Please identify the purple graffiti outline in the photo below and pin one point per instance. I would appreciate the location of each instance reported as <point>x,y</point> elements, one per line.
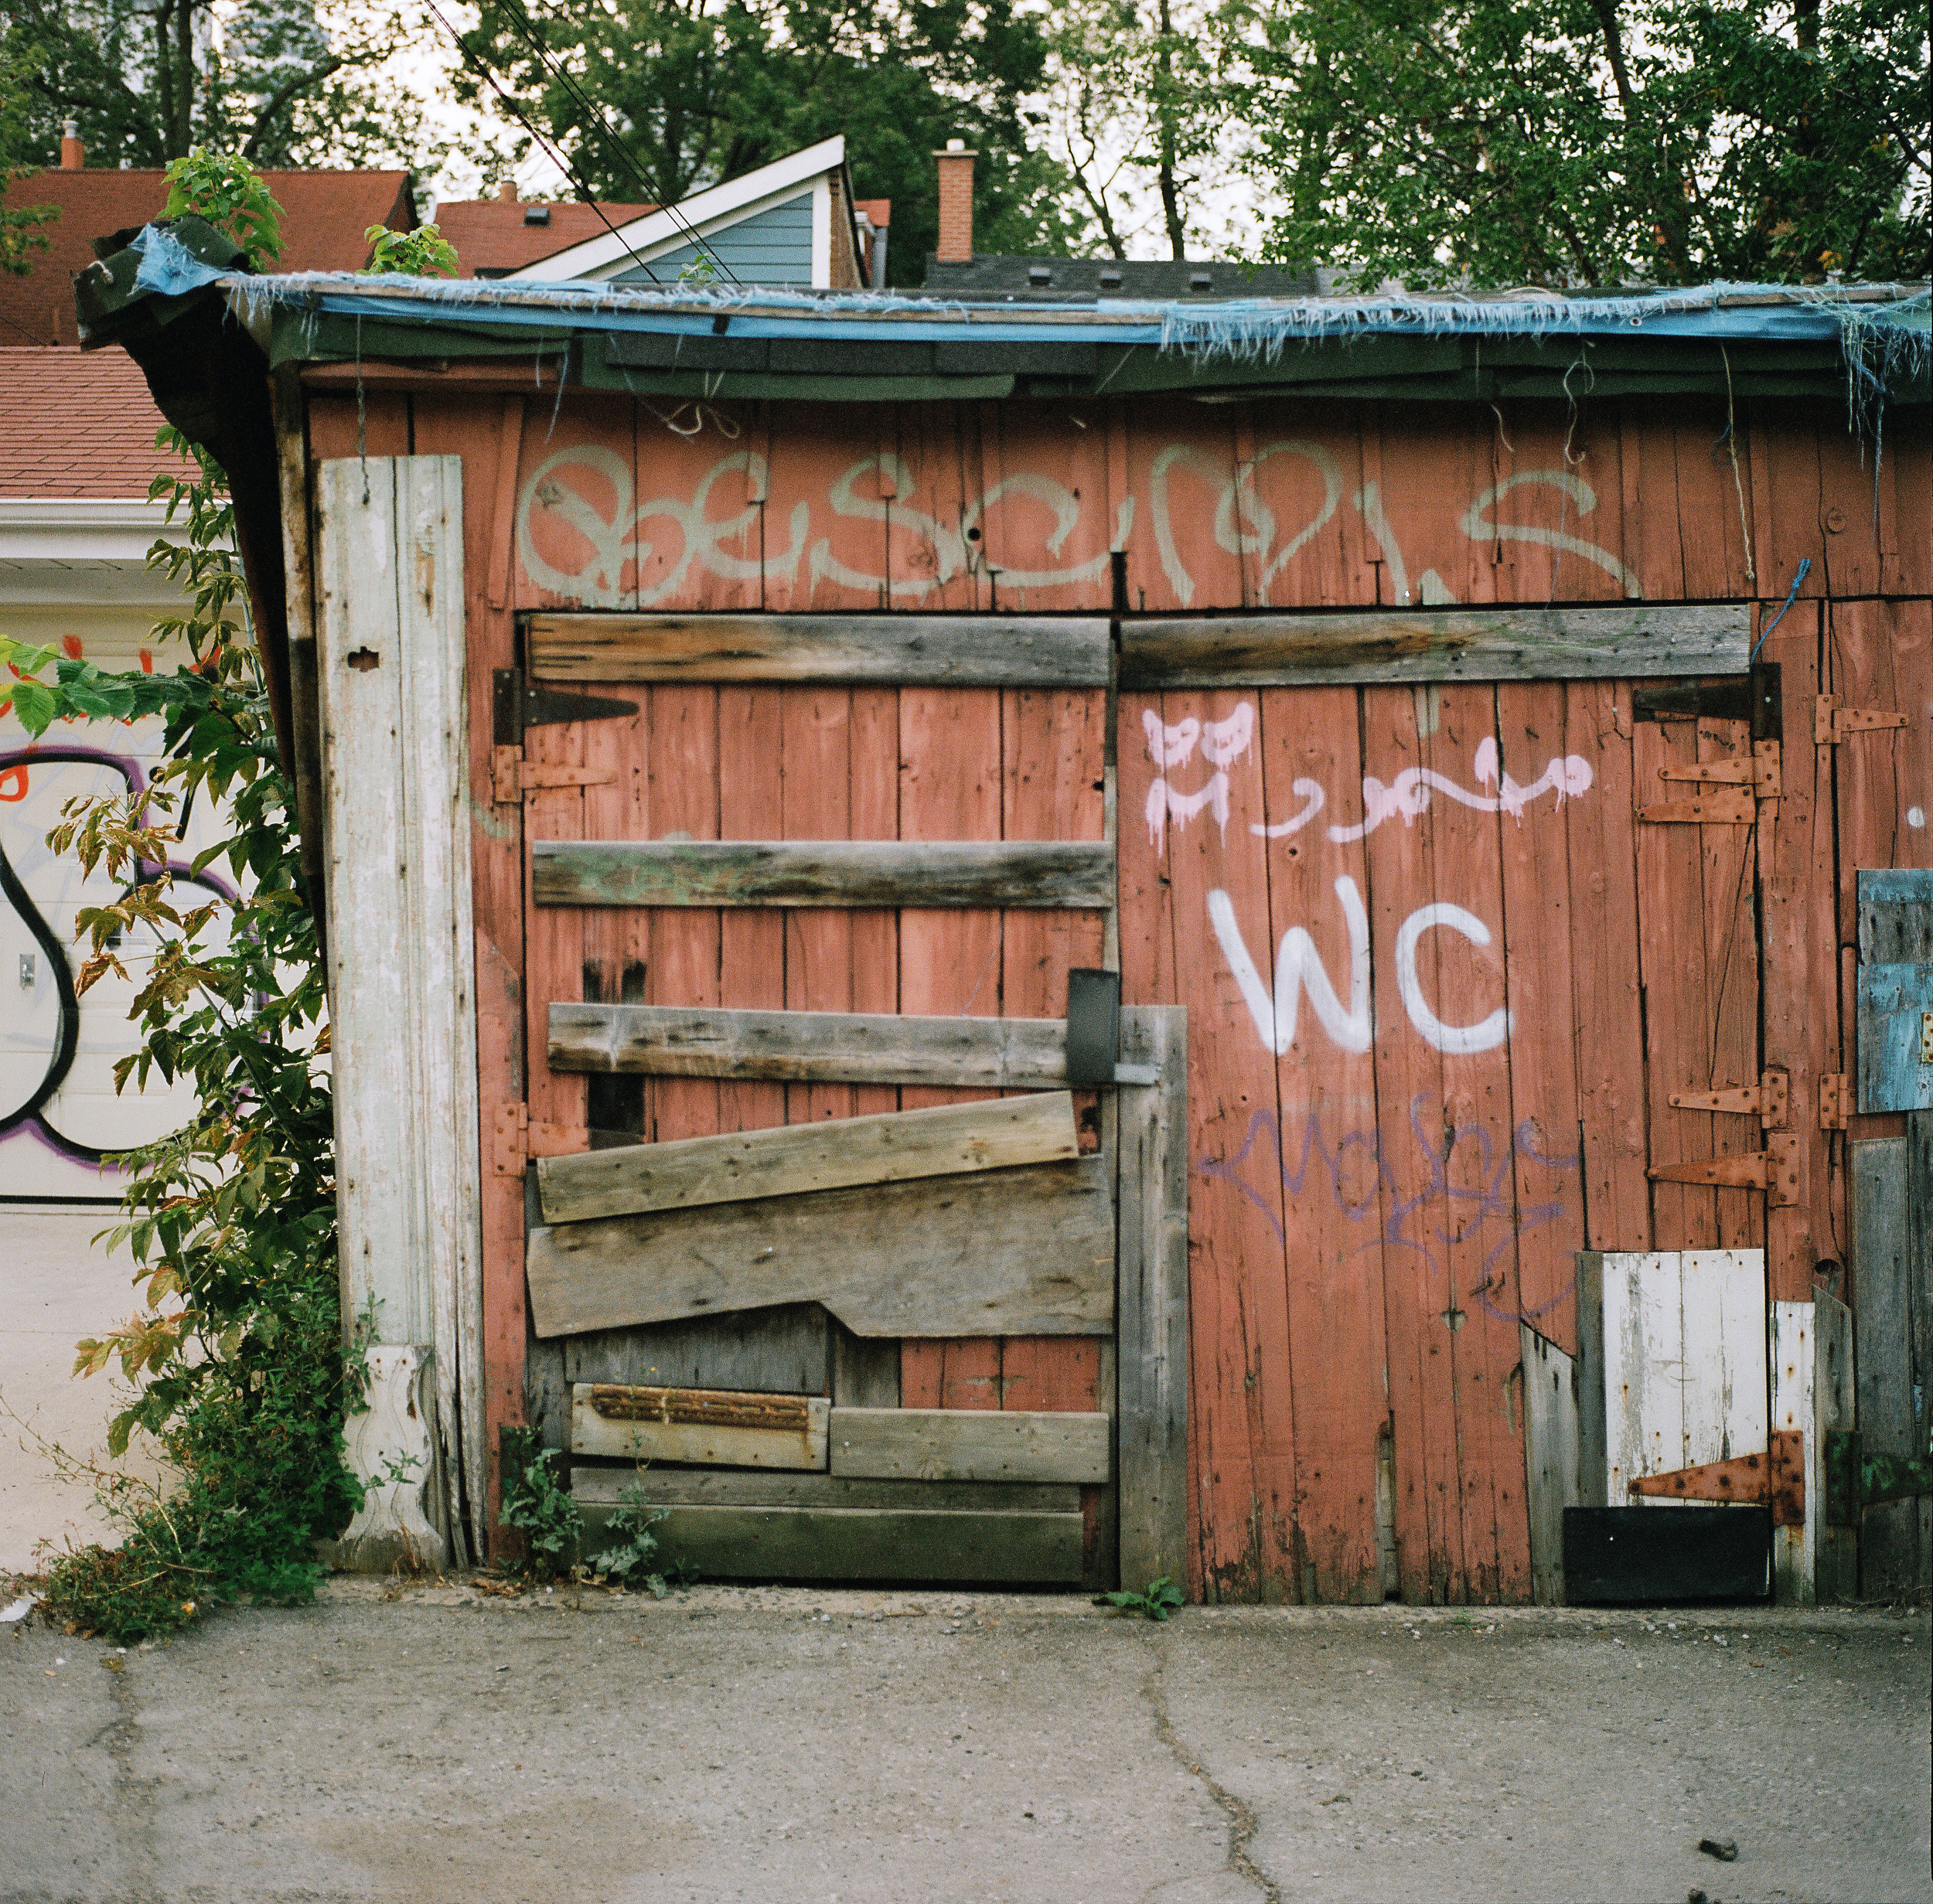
<point>1491,1198</point>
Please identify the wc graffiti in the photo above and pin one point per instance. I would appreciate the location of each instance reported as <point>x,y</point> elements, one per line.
<point>1451,1187</point>
<point>582,536</point>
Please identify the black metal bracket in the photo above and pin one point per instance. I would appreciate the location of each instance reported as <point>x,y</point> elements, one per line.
<point>1093,1026</point>
<point>1753,697</point>
<point>516,703</point>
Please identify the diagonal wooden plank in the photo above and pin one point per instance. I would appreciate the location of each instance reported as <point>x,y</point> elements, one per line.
<point>1026,1251</point>
<point>894,1146</point>
<point>848,873</point>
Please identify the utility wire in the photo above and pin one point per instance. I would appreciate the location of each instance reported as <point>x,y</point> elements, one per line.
<point>515,111</point>
<point>593,111</point>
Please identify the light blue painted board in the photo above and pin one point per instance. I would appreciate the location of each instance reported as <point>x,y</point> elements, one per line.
<point>1893,1000</point>
<point>773,247</point>
<point>1895,916</point>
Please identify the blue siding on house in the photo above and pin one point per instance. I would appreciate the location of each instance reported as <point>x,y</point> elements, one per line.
<point>773,247</point>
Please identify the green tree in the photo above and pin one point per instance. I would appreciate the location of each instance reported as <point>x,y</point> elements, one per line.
<point>1589,141</point>
<point>655,99</point>
<point>280,83</point>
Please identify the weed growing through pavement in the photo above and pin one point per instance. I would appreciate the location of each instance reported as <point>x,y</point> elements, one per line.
<point>1160,1597</point>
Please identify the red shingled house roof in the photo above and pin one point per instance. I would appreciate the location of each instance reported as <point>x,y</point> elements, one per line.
<point>324,216</point>
<point>495,237</point>
<point>77,424</point>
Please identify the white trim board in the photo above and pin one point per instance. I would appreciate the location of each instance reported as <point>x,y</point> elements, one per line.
<point>705,211</point>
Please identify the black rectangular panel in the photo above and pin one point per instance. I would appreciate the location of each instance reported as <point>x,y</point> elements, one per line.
<point>1621,1556</point>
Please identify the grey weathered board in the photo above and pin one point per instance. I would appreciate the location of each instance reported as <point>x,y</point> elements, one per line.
<point>1895,1059</point>
<point>1835,1549</point>
<point>811,1047</point>
<point>1010,1252</point>
<point>1550,1457</point>
<point>873,650</point>
<point>1633,640</point>
<point>1893,1307</point>
<point>969,1444</point>
<point>890,1147</point>
<point>865,1369</point>
<point>1151,1409</point>
<point>726,1428</point>
<point>1895,917</point>
<point>595,1483</point>
<point>1035,875</point>
<point>782,1350</point>
<point>885,1544</point>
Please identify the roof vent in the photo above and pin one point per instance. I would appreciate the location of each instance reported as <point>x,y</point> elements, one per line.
<point>1039,274</point>
<point>1110,280</point>
<point>1200,280</point>
<point>536,214</point>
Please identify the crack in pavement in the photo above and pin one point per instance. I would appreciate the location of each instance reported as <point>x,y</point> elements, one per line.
<point>135,1799</point>
<point>1242,1822</point>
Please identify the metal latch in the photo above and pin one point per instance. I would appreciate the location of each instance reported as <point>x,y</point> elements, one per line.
<point>1835,1101</point>
<point>1832,723</point>
<point>1769,1099</point>
<point>515,1139</point>
<point>1774,1170</point>
<point>1776,1479</point>
<point>1760,773</point>
<point>513,779</point>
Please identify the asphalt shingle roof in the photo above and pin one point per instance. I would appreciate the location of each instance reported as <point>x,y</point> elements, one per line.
<point>76,423</point>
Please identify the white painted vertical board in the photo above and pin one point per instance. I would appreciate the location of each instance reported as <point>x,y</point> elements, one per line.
<point>1722,1350</point>
<point>1550,1405</point>
<point>1793,1412</point>
<point>1644,1369</point>
<point>391,667</point>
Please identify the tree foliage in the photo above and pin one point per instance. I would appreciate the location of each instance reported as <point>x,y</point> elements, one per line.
<point>279,83</point>
<point>1589,142</point>
<point>655,99</point>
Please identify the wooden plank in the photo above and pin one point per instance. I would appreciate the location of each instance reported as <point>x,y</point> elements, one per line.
<point>751,945</point>
<point>1153,1360</point>
<point>877,650</point>
<point>783,1351</point>
<point>969,1445</point>
<point>1895,917</point>
<point>727,1429</point>
<point>1889,1291</point>
<point>857,872</point>
<point>895,1146</point>
<point>1634,640</point>
<point>1642,1347</point>
<point>1024,1252</point>
<point>1894,1073</point>
<point>440,427</point>
<point>885,1544</point>
<point>813,1047</point>
<point>865,1369</point>
<point>1722,1350</point>
<point>605,1484</point>
<point>1550,1397</point>
<point>1795,1409</point>
<point>1836,1549</point>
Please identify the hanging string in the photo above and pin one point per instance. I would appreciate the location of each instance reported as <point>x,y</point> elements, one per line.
<point>1791,595</point>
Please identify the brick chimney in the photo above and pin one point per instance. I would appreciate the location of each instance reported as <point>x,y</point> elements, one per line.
<point>956,245</point>
<point>73,154</point>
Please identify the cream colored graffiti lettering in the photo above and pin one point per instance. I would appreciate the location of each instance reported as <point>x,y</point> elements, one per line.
<point>1065,507</point>
<point>1331,471</point>
<point>948,546</point>
<point>1478,527</point>
<point>1409,794</point>
<point>614,541</point>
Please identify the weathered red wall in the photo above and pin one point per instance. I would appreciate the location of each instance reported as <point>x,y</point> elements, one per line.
<point>1371,1212</point>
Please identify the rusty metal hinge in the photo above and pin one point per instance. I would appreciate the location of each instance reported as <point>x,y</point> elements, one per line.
<point>513,779</point>
<point>1835,1101</point>
<point>1777,1479</point>
<point>1774,1170</point>
<point>514,1139</point>
<point>1769,1100</point>
<point>1724,806</point>
<point>1760,773</point>
<point>1832,723</point>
